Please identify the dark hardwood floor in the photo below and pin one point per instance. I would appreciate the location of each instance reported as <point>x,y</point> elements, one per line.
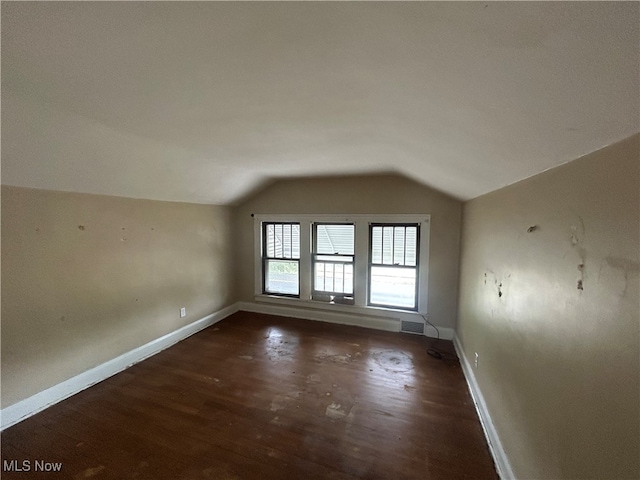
<point>265,397</point>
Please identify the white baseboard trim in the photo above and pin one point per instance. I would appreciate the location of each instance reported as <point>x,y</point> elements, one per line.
<point>30,406</point>
<point>495,445</point>
<point>377,322</point>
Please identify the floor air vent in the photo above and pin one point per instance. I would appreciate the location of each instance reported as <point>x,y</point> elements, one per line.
<point>412,327</point>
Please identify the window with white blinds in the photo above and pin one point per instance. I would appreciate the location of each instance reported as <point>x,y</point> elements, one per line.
<point>281,258</point>
<point>333,260</point>
<point>393,265</point>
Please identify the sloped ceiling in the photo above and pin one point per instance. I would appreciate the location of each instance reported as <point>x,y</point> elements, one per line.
<point>203,102</point>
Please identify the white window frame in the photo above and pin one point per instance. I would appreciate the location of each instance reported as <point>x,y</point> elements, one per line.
<point>382,264</point>
<point>315,261</point>
<point>361,266</point>
<point>266,259</point>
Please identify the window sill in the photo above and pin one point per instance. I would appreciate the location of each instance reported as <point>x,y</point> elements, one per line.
<point>339,307</point>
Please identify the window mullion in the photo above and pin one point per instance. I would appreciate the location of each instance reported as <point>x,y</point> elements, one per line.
<point>361,264</point>
<point>306,263</point>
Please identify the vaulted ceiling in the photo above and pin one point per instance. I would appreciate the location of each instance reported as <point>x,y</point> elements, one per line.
<point>204,102</point>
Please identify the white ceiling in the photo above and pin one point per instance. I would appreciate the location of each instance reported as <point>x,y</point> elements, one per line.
<point>203,102</point>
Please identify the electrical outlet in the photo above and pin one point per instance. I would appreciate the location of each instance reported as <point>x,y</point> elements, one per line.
<point>476,361</point>
<point>183,313</point>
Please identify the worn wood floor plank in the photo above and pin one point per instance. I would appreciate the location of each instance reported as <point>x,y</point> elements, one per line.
<point>262,397</point>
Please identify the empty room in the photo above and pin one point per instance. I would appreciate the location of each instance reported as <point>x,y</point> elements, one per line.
<point>320,240</point>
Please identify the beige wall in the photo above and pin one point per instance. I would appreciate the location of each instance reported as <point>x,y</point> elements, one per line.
<point>385,194</point>
<point>86,278</point>
<point>559,366</point>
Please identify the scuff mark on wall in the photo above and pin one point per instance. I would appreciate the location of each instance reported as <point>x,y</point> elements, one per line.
<point>577,237</point>
<point>498,283</point>
<point>626,267</point>
<point>581,279</point>
<point>621,263</point>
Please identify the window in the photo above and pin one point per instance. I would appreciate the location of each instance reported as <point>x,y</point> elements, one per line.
<point>281,258</point>
<point>357,263</point>
<point>333,260</point>
<point>393,265</point>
